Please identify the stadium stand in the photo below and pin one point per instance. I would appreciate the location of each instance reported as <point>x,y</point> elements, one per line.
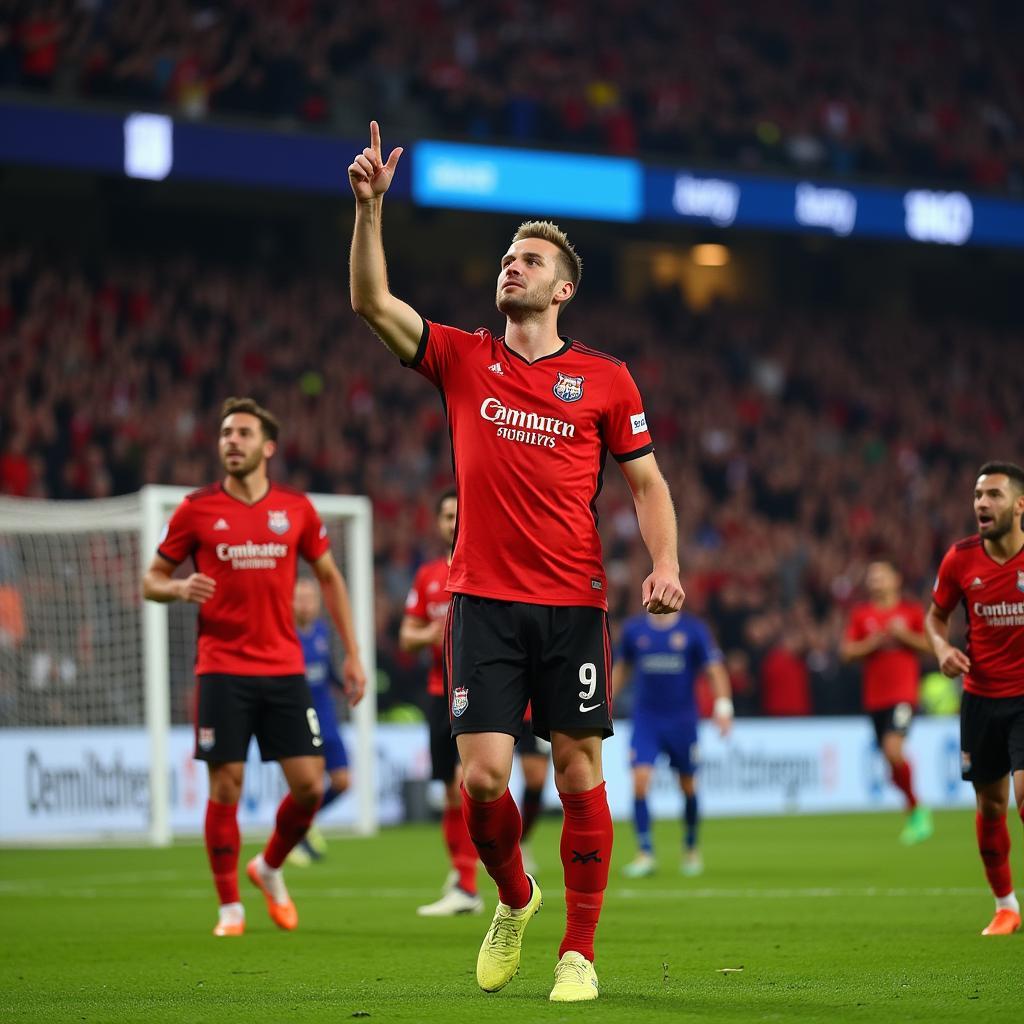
<point>931,91</point>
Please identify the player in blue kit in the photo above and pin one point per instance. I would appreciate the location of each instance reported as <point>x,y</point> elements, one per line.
<point>665,655</point>
<point>321,675</point>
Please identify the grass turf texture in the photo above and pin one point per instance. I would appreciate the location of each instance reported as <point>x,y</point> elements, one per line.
<point>829,918</point>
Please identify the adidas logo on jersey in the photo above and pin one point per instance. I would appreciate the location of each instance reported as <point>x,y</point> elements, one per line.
<point>221,524</point>
<point>976,583</point>
<point>496,368</point>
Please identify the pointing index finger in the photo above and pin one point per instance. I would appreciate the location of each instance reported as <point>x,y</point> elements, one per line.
<point>375,138</point>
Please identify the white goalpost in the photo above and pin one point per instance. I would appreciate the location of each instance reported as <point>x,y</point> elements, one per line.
<point>95,683</point>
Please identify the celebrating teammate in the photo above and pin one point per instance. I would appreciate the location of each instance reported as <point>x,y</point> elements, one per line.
<point>423,627</point>
<point>532,416</point>
<point>664,655</point>
<point>887,634</point>
<point>986,573</point>
<point>321,675</point>
<point>244,536</point>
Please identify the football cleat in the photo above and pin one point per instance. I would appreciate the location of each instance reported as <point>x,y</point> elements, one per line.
<point>643,865</point>
<point>314,843</point>
<point>299,857</point>
<point>498,960</point>
<point>918,828</point>
<point>1006,922</point>
<point>454,901</point>
<point>271,883</point>
<point>230,921</point>
<point>575,980</point>
<point>692,865</point>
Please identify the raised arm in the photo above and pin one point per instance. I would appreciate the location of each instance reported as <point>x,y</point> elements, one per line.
<point>952,661</point>
<point>662,592</point>
<point>395,322</point>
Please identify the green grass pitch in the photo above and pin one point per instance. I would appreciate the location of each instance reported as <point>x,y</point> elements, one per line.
<point>829,918</point>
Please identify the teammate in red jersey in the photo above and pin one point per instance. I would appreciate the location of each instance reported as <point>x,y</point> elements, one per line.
<point>532,417</point>
<point>887,633</point>
<point>986,574</point>
<point>426,609</point>
<point>244,536</point>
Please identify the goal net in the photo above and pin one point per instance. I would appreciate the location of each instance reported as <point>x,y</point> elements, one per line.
<point>96,684</point>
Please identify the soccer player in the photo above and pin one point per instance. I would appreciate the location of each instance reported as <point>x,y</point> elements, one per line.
<point>426,609</point>
<point>887,634</point>
<point>321,675</point>
<point>532,416</point>
<point>986,573</point>
<point>244,536</point>
<point>664,655</point>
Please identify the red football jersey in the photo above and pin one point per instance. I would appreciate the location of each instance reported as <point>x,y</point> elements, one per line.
<point>248,627</point>
<point>529,442</point>
<point>891,671</point>
<point>993,596</point>
<point>429,599</point>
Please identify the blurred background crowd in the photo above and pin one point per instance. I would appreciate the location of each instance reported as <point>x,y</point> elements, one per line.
<point>928,90</point>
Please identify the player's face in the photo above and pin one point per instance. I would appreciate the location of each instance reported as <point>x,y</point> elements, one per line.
<point>881,580</point>
<point>529,279</point>
<point>242,446</point>
<point>306,602</point>
<point>997,505</point>
<point>446,520</point>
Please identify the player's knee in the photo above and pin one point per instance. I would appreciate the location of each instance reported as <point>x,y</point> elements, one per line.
<point>340,781</point>
<point>308,792</point>
<point>484,781</point>
<point>578,776</point>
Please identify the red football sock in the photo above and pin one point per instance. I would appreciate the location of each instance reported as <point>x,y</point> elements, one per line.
<point>586,858</point>
<point>461,850</point>
<point>495,828</point>
<point>293,821</point>
<point>902,780</point>
<point>223,842</point>
<point>994,846</point>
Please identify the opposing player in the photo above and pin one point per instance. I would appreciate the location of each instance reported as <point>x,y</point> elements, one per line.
<point>426,609</point>
<point>986,573</point>
<point>663,656</point>
<point>244,536</point>
<point>321,676</point>
<point>532,416</point>
<point>887,634</point>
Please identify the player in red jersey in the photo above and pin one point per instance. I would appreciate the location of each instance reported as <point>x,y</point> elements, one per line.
<point>532,416</point>
<point>244,536</point>
<point>986,574</point>
<point>887,633</point>
<point>426,609</point>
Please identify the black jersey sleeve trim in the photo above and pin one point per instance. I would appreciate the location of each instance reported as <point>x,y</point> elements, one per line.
<point>635,454</point>
<point>421,349</point>
<point>167,558</point>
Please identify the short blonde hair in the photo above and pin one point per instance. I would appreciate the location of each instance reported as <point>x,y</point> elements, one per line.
<point>569,258</point>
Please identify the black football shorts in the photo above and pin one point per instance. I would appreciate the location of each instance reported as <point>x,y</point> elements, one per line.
<point>991,737</point>
<point>895,719</point>
<point>444,754</point>
<point>277,710</point>
<point>500,655</point>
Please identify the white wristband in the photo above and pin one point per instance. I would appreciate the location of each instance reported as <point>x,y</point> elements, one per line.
<point>722,708</point>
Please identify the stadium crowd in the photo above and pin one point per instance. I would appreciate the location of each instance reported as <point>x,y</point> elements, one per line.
<point>932,91</point>
<point>798,446</point>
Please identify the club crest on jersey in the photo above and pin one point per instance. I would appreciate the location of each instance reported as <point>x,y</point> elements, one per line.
<point>568,389</point>
<point>460,700</point>
<point>1020,580</point>
<point>277,522</point>
<point>677,641</point>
